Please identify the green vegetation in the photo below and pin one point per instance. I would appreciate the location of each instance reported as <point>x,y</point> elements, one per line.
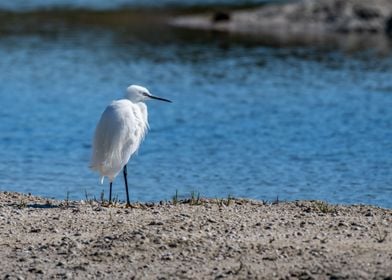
<point>323,207</point>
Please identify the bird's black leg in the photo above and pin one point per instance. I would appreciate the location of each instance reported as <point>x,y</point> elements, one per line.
<point>126,184</point>
<point>110,193</point>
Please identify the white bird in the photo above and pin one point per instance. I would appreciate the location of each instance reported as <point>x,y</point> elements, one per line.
<point>118,135</point>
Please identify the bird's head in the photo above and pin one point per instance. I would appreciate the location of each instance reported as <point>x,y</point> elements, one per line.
<point>137,93</point>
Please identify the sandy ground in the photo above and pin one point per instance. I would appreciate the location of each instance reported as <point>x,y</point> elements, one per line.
<point>207,239</point>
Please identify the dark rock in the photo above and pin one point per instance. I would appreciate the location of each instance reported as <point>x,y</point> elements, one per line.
<point>365,13</point>
<point>220,16</point>
<point>388,26</point>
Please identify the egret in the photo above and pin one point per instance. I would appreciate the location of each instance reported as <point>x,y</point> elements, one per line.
<point>119,133</point>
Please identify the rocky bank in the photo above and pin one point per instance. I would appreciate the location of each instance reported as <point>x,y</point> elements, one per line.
<point>301,21</point>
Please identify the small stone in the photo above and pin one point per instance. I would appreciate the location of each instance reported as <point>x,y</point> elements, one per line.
<point>270,258</point>
<point>154,223</point>
<point>342,224</point>
<point>167,257</point>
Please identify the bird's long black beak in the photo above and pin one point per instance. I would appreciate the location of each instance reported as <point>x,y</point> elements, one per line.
<point>159,98</point>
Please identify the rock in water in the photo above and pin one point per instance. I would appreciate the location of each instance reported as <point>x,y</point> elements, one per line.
<point>388,26</point>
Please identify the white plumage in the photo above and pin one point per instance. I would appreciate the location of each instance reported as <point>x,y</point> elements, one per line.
<point>119,133</point>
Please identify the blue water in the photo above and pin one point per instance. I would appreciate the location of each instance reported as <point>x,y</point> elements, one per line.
<point>247,120</point>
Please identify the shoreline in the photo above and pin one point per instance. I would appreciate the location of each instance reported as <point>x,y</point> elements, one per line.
<point>237,238</point>
<point>341,23</point>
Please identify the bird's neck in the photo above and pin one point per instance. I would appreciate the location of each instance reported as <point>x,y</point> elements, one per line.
<point>143,109</point>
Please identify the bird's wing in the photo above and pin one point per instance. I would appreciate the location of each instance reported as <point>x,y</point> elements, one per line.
<point>116,137</point>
